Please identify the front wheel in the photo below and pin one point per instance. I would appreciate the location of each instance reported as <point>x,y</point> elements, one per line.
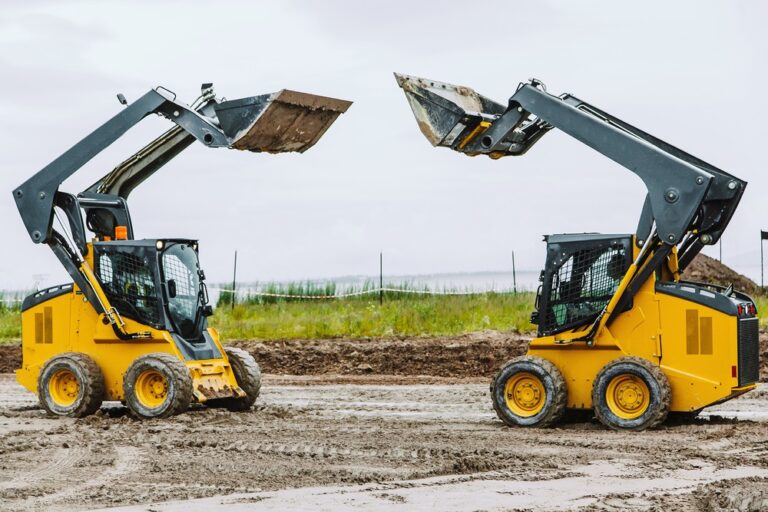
<point>631,393</point>
<point>529,391</point>
<point>157,386</point>
<point>248,376</point>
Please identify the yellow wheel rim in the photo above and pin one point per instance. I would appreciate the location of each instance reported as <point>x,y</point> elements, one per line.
<point>63,387</point>
<point>524,394</point>
<point>151,388</point>
<point>628,396</point>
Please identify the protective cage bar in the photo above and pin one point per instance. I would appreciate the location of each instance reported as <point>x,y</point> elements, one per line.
<point>581,275</point>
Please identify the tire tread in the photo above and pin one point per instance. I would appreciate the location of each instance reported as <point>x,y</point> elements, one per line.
<point>93,385</point>
<point>557,410</point>
<point>659,415</point>
<point>183,380</point>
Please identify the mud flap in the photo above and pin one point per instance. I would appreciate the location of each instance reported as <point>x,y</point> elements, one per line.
<point>285,121</point>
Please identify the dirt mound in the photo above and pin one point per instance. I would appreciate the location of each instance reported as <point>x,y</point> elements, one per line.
<point>10,358</point>
<point>469,355</point>
<point>708,270</point>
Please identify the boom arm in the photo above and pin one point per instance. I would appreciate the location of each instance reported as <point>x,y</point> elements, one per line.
<point>689,200</point>
<point>285,121</point>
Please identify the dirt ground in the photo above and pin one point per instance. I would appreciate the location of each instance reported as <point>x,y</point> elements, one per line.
<point>377,444</point>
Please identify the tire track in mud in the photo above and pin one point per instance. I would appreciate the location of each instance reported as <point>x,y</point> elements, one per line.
<point>600,485</point>
<point>297,437</point>
<point>127,461</point>
<point>63,459</point>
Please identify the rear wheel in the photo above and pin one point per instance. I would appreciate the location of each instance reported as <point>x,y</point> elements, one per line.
<point>157,386</point>
<point>530,392</point>
<point>631,393</point>
<point>71,384</point>
<point>248,376</point>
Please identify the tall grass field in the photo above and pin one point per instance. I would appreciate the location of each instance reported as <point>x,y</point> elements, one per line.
<point>406,311</point>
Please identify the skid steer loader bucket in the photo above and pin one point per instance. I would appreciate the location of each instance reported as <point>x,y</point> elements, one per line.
<point>448,115</point>
<point>281,122</point>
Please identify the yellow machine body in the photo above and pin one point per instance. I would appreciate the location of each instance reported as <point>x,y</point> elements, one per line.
<point>694,345</point>
<point>68,323</point>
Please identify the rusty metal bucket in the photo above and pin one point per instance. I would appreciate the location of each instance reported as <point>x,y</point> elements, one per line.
<point>281,122</point>
<point>447,114</point>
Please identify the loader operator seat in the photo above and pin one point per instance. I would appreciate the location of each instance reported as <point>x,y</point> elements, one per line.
<point>616,267</point>
<point>101,222</point>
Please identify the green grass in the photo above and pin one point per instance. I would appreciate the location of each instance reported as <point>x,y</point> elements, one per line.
<point>10,321</point>
<point>762,310</point>
<point>10,326</point>
<point>399,315</point>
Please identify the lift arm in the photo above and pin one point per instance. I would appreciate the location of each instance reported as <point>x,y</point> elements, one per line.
<point>689,201</point>
<point>286,121</point>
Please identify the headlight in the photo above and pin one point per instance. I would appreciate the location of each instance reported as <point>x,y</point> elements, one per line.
<point>159,244</point>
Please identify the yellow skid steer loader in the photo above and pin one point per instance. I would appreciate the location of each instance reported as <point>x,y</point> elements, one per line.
<point>619,332</point>
<point>132,326</point>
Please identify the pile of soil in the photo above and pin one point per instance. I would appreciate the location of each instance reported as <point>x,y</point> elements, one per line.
<point>704,269</point>
<point>469,355</point>
<point>476,354</point>
<point>10,358</point>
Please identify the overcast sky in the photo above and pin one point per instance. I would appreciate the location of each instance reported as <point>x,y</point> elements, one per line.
<point>692,73</point>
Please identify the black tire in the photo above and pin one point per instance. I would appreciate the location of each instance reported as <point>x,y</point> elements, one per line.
<point>552,382</point>
<point>85,384</point>
<point>248,376</point>
<point>173,376</point>
<point>658,388</point>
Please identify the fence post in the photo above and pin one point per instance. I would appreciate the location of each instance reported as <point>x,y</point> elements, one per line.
<point>234,281</point>
<point>514,275</point>
<point>381,278</point>
<point>763,237</point>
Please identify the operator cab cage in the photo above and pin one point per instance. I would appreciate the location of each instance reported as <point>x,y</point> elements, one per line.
<point>581,274</point>
<point>285,121</point>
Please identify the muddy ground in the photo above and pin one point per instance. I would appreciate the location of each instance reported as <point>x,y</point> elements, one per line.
<point>377,444</point>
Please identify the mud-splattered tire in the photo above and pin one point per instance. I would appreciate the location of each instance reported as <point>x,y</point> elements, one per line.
<point>70,384</point>
<point>631,393</point>
<point>157,386</point>
<point>248,376</point>
<point>529,391</point>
